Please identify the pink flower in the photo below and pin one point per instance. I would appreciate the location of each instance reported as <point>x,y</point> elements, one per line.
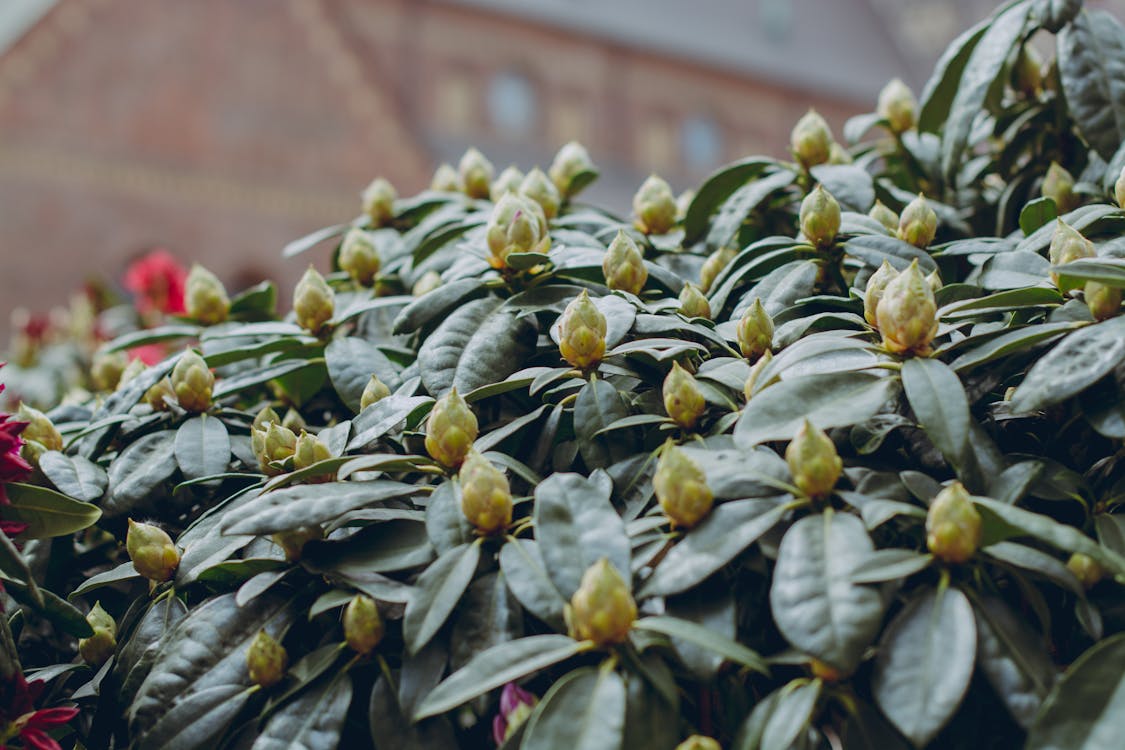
<point>19,718</point>
<point>157,280</point>
<point>515,706</point>
<point>13,467</point>
<point>150,354</point>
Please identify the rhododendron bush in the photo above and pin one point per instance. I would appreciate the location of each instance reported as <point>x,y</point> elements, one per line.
<point>826,454</point>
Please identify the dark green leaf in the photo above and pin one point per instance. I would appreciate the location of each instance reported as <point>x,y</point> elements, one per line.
<point>308,504</point>
<point>1037,213</point>
<point>1013,658</point>
<point>706,638</point>
<point>75,476</point>
<point>849,184</point>
<point>436,593</point>
<point>714,192</point>
<point>937,95</point>
<point>873,249</point>
<point>598,406</point>
<point>1080,360</point>
<point>1091,60</point>
<point>526,575</point>
<point>202,447</point>
<point>46,512</point>
<point>351,362</point>
<point>313,721</point>
<point>736,209</point>
<point>890,565</point>
<point>138,471</point>
<point>938,400</point>
<point>585,710</point>
<point>791,716</point>
<point>58,611</point>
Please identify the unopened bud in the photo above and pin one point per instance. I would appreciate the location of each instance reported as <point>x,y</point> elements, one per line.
<point>258,428</point>
<point>314,302</point>
<point>517,225</point>
<point>918,223</point>
<point>1086,569</point>
<point>486,498</point>
<point>379,201</point>
<point>537,186</point>
<point>1068,244</point>
<point>898,106</point>
<point>953,525</point>
<point>446,180</point>
<point>1104,301</point>
<point>811,140</point>
<point>266,660</point>
<point>153,554</point>
<point>885,216</point>
<point>294,421</point>
<point>1058,185</point>
<point>683,400</point>
<point>293,541</point>
<point>876,285</point>
<point>1119,189</point>
<point>820,217</point>
<point>97,649</point>
<point>1027,73</point>
<point>933,278</point>
<point>363,627</point>
<point>570,161</point>
<point>516,705</point>
<point>623,265</point>
<point>277,443</point>
<point>106,370</point>
<point>309,450</point>
<point>751,384</point>
<point>132,370</point>
<point>428,282</point>
<point>160,395</point>
<point>602,610</point>
<point>655,206</point>
<point>192,382</point>
<point>205,297</point>
<point>907,313</point>
<point>813,461</point>
<point>375,390</point>
<point>825,671</point>
<point>450,430</point>
<point>41,435</point>
<point>714,265</point>
<point>699,742</point>
<point>839,155</point>
<point>582,333</point>
<point>358,257</point>
<point>681,487</point>
<point>693,302</point>
<point>755,331</point>
<point>508,181</point>
<point>476,173</point>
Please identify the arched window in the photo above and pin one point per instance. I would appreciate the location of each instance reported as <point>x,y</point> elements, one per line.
<point>513,106</point>
<point>701,143</point>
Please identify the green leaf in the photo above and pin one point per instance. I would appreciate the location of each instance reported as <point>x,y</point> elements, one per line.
<point>487,616</point>
<point>351,362</point>
<point>1009,343</point>
<point>792,714</point>
<point>585,710</point>
<point>1108,271</point>
<point>597,407</point>
<point>202,447</point>
<point>46,512</point>
<point>308,504</point>
<point>259,301</point>
<point>1013,658</point>
<point>135,656</point>
<point>379,548</point>
<point>814,602</point>
<point>261,375</point>
<point>526,575</point>
<point>446,525</point>
<point>436,303</point>
<point>498,666</point>
<point>314,720</point>
<point>1079,361</point>
<point>436,593</point>
<point>849,184</point>
<point>138,471</point>
<point>1091,60</point>
<point>58,611</point>
<point>873,249</point>
<point>890,565</point>
<point>1084,710</point>
<point>736,209</point>
<point>392,730</point>
<point>938,400</point>
<point>674,627</point>
<point>1081,219</point>
<point>145,336</point>
<point>714,192</point>
<point>75,476</point>
<point>13,566</point>
<point>937,95</point>
<point>296,247</point>
<point>1037,213</point>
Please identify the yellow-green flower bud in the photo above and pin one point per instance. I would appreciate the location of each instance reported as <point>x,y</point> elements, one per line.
<point>97,649</point>
<point>839,155</point>
<point>517,225</point>
<point>876,285</point>
<point>428,282</point>
<point>693,302</point>
<point>811,140</point>
<point>40,429</point>
<point>582,333</point>
<point>1104,301</point>
<point>1068,244</point>
<point>508,181</point>
<point>1027,75</point>
<point>918,223</point>
<point>106,370</point>
<point>755,331</point>
<point>570,161</point>
<point>953,525</point>
<point>476,174</point>
<point>683,400</point>
<point>714,265</point>
<point>907,313</point>
<point>363,627</point>
<point>314,302</point>
<point>1058,185</point>
<point>1086,569</point>
<point>813,461</point>
<point>820,217</point>
<point>885,216</point>
<point>623,265</point>
<point>308,451</point>
<point>602,610</point>
<point>379,201</point>
<point>486,497</point>
<point>192,382</point>
<point>205,296</point>
<point>358,257</point>
<point>655,206</point>
<point>266,660</point>
<point>1119,189</point>
<point>160,395</point>
<point>132,370</point>
<point>755,373</point>
<point>683,203</point>
<point>681,487</point>
<point>898,106</point>
<point>537,186</point>
<point>277,443</point>
<point>151,549</point>
<point>699,742</point>
<point>375,390</point>
<point>258,428</point>
<point>934,280</point>
<point>451,430</point>
<point>446,180</point>
<point>293,541</point>
<point>294,421</point>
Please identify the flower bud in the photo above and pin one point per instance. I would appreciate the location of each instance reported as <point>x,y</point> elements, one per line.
<point>375,390</point>
<point>97,649</point>
<point>266,660</point>
<point>276,443</point>
<point>132,370</point>
<point>358,257</point>
<point>582,333</point>
<point>1119,189</point>
<point>918,223</point>
<point>623,265</point>
<point>1058,185</point>
<point>476,174</point>
<point>825,671</point>
<point>714,265</point>
<point>897,106</point>
<point>907,313</point>
<point>205,297</point>
<point>507,181</point>
<point>885,216</point>
<point>258,428</point>
<point>428,282</point>
<point>655,206</point>
<point>486,498</point>
<point>1068,244</point>
<point>876,285</point>
<point>516,705</point>
<point>813,461</point>
<point>314,302</point>
<point>309,450</point>
<point>1086,569</point>
<point>1104,301</point>
<point>192,382</point>
<point>820,217</point>
<point>151,549</point>
<point>933,278</point>
<point>40,430</point>
<point>699,742</point>
<point>1027,73</point>
<point>450,430</point>
<point>537,186</point>
<point>602,610</point>
<point>570,161</point>
<point>363,627</point>
<point>517,225</point>
<point>683,400</point>
<point>446,180</point>
<point>294,421</point>
<point>756,372</point>
<point>953,525</point>
<point>681,487</point>
<point>293,541</point>
<point>693,302</point>
<point>379,201</point>
<point>755,331</point>
<point>811,140</point>
<point>160,394</point>
<point>106,370</point>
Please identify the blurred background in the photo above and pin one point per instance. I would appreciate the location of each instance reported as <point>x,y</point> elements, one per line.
<point>222,129</point>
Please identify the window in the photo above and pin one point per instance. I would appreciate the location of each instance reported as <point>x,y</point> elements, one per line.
<point>701,143</point>
<point>512,103</point>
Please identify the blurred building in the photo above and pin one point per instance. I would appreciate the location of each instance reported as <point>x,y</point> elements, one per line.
<point>221,129</point>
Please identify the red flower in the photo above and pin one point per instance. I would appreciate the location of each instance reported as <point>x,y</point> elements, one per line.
<point>158,282</point>
<point>20,720</point>
<point>515,706</point>
<point>13,467</point>
<point>150,354</point>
